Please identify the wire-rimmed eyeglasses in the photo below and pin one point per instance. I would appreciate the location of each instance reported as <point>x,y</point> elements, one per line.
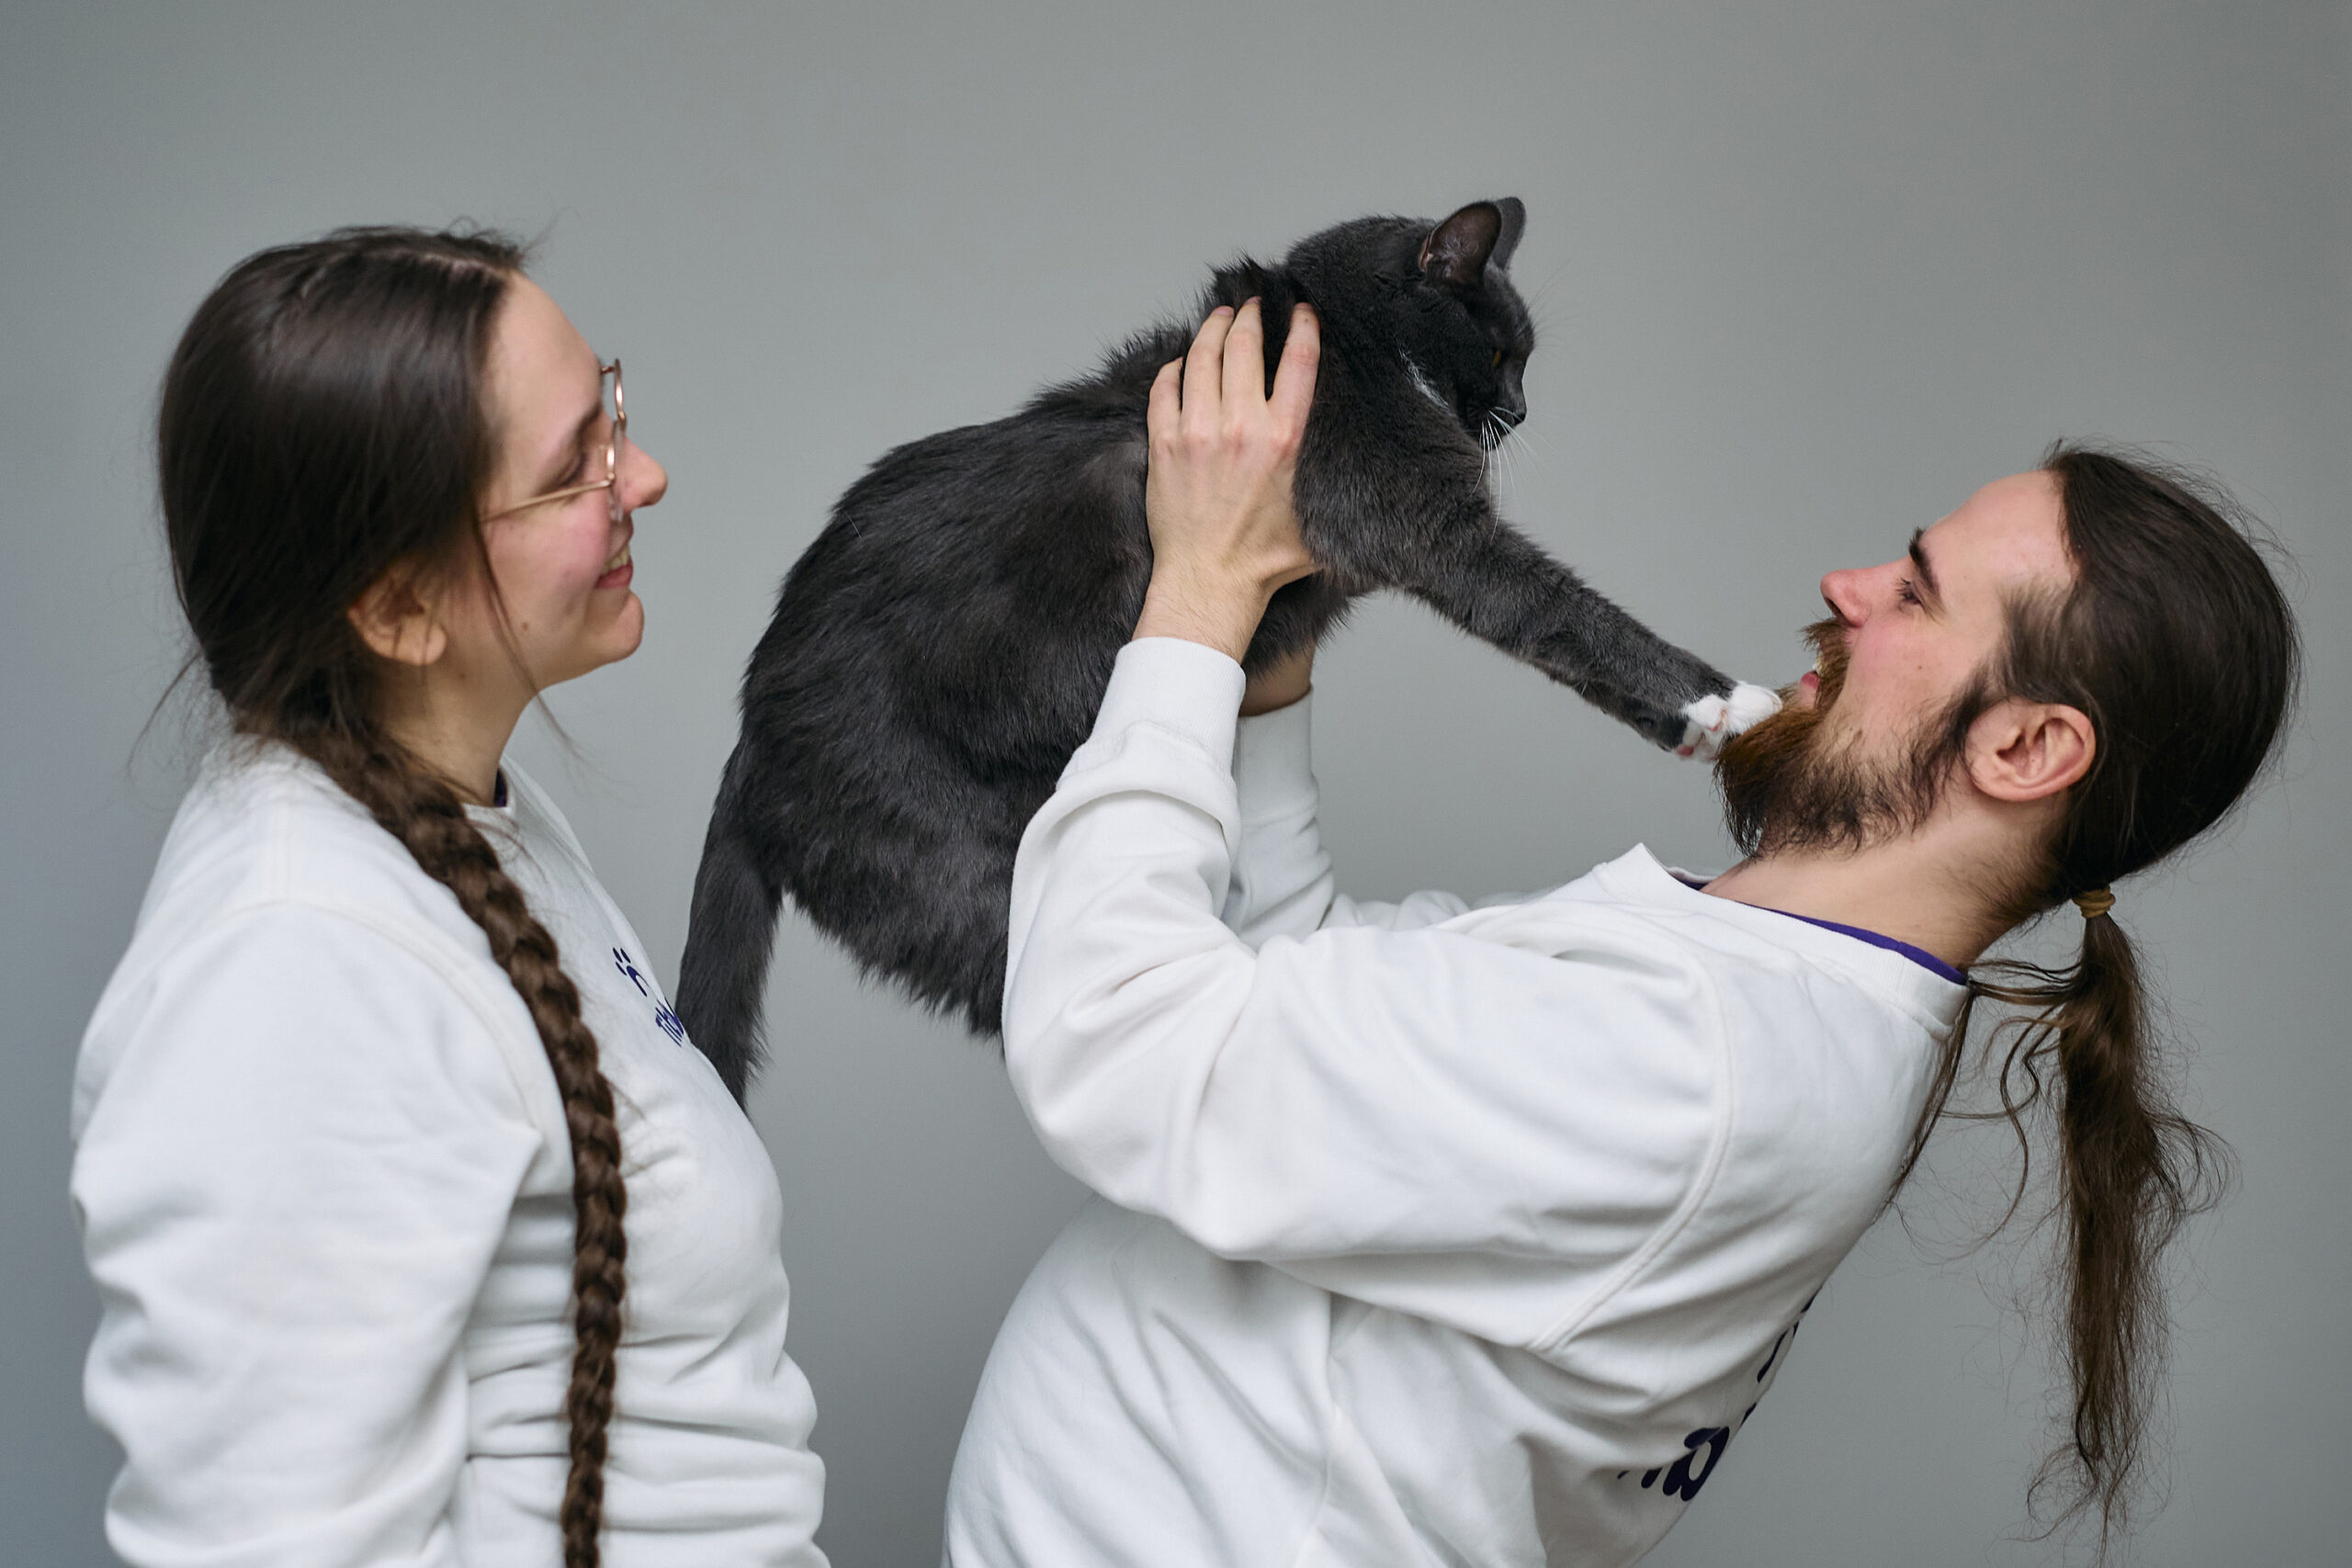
<point>616,438</point>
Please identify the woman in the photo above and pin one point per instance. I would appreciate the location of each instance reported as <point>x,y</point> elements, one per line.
<point>360,1117</point>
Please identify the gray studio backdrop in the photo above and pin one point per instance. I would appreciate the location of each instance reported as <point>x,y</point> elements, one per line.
<point>1807,272</point>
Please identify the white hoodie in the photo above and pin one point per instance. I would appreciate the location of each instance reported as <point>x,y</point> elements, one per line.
<point>1434,1235</point>
<point>325,1189</point>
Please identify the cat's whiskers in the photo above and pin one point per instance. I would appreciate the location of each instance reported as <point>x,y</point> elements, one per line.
<point>1529,446</point>
<point>1496,456</point>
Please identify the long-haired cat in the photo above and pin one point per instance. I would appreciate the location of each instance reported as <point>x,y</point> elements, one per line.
<point>939,651</point>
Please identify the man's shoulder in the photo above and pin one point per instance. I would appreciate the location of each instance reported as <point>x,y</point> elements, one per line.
<point>1780,961</point>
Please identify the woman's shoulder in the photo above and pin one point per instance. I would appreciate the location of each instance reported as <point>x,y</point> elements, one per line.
<point>264,844</point>
<point>275,886</point>
<point>264,826</point>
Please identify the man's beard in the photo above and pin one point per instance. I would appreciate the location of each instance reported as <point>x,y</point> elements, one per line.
<point>1791,782</point>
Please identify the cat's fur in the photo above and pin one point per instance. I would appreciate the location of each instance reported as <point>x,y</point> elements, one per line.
<point>939,651</point>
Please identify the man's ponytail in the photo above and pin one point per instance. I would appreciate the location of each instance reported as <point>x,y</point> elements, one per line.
<point>2131,1171</point>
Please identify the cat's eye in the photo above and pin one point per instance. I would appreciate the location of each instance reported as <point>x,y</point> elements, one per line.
<point>1497,362</point>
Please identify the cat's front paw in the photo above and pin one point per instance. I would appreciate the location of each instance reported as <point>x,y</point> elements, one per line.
<point>1711,720</point>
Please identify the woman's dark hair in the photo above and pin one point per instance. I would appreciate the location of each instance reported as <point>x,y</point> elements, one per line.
<point>323,423</point>
<point>2175,640</point>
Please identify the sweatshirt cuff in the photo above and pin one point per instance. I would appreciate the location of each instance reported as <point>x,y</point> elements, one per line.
<point>1273,770</point>
<point>1178,685</point>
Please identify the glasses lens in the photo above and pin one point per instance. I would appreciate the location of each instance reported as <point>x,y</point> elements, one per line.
<point>618,412</point>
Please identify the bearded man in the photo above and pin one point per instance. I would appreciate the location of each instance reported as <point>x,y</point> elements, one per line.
<point>1433,1233</point>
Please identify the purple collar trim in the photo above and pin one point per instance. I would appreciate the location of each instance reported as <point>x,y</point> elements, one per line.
<point>1918,955</point>
<point>1921,956</point>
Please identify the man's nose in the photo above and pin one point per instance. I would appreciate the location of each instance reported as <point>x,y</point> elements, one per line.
<point>1847,594</point>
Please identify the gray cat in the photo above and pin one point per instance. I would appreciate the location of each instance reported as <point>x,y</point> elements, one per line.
<point>939,651</point>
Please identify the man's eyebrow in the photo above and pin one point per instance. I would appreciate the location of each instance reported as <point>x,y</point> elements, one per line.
<point>1927,570</point>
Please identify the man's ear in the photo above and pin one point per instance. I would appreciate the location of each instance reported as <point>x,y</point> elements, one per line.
<point>2021,751</point>
<point>395,619</point>
<point>1457,252</point>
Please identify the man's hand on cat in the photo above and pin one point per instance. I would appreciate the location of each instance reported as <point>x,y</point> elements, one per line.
<point>1217,492</point>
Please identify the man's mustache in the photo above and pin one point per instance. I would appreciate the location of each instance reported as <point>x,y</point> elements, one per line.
<point>1827,637</point>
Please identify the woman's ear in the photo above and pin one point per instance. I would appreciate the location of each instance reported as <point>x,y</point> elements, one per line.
<point>2022,751</point>
<point>395,619</point>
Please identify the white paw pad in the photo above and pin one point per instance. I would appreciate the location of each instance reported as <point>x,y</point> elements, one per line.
<point>1714,720</point>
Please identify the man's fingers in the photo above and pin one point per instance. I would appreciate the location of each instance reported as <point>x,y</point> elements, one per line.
<point>1204,365</point>
<point>1161,415</point>
<point>1295,377</point>
<point>1245,361</point>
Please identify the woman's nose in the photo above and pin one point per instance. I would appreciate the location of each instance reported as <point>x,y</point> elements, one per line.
<point>644,482</point>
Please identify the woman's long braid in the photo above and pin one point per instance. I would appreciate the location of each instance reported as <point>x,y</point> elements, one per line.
<point>426,816</point>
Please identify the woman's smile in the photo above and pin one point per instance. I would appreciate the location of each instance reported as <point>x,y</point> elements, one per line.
<point>618,570</point>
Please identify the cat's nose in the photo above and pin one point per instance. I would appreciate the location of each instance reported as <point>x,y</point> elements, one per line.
<point>1511,414</point>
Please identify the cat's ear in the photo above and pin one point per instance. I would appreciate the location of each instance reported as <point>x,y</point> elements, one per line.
<point>1514,213</point>
<point>1458,251</point>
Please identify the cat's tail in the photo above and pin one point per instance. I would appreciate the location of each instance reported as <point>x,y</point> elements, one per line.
<point>722,979</point>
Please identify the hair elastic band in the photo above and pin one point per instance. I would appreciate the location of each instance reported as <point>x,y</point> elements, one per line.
<point>2095,903</point>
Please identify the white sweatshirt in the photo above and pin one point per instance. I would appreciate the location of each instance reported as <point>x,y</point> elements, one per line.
<point>1433,1233</point>
<point>325,1189</point>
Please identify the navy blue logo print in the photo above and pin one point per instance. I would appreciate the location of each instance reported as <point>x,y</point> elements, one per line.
<point>1703,1448</point>
<point>668,1021</point>
<point>1683,1482</point>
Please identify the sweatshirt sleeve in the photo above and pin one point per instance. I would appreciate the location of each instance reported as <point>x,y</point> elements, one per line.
<point>1428,1119</point>
<point>291,1181</point>
<point>1282,883</point>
